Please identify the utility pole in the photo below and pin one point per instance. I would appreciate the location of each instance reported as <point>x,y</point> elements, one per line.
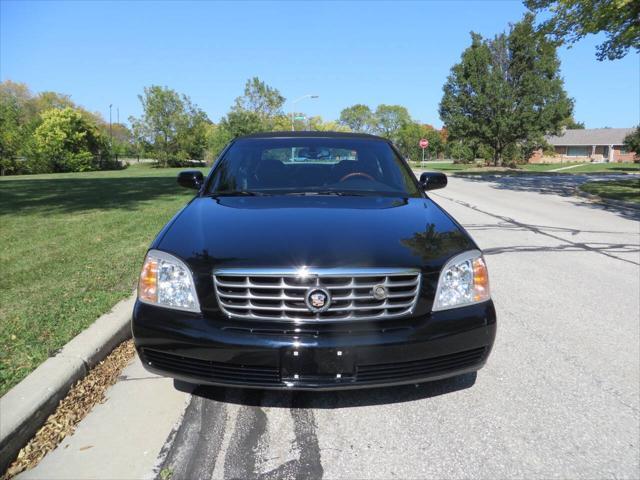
<point>110,130</point>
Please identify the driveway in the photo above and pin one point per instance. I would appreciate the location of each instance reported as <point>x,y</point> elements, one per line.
<point>559,397</point>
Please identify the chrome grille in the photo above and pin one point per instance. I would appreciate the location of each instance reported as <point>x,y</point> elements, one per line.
<point>279,295</point>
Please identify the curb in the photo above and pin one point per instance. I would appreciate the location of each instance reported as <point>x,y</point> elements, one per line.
<point>25,407</point>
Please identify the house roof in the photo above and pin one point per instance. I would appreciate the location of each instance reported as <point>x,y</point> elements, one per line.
<point>590,136</point>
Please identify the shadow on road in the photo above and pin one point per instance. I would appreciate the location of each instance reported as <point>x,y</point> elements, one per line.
<point>563,185</point>
<point>565,245</point>
<point>332,399</point>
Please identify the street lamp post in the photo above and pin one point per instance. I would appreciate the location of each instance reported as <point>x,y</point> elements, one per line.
<point>293,103</point>
<point>110,131</point>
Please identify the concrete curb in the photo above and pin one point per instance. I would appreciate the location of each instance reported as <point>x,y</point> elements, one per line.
<point>25,407</point>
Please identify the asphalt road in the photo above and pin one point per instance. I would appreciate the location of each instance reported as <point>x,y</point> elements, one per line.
<point>559,397</point>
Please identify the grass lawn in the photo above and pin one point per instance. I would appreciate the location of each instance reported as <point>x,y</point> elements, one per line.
<point>606,168</point>
<point>442,166</point>
<point>72,246</point>
<point>545,167</point>
<point>584,167</point>
<point>627,190</point>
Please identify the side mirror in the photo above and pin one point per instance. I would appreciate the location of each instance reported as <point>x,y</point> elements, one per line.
<point>433,180</point>
<point>191,179</point>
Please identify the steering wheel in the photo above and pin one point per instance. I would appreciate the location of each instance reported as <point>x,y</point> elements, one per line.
<point>357,174</point>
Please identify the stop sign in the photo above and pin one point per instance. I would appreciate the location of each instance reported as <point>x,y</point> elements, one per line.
<point>424,143</point>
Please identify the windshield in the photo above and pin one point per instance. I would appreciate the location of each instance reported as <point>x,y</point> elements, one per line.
<point>312,166</point>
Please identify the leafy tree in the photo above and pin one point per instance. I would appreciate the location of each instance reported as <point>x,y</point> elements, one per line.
<point>359,118</point>
<point>408,139</point>
<point>317,124</point>
<point>389,119</point>
<point>242,122</point>
<point>66,141</point>
<point>162,119</point>
<point>632,142</point>
<point>506,91</point>
<point>171,124</point>
<point>570,20</point>
<point>48,100</point>
<point>11,134</point>
<point>461,151</point>
<point>217,139</point>
<point>192,137</point>
<point>123,142</point>
<point>260,98</point>
<point>21,115</point>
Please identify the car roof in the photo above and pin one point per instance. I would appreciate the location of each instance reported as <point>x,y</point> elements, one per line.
<point>308,134</point>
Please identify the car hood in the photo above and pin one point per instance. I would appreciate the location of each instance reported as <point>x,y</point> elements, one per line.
<point>318,231</point>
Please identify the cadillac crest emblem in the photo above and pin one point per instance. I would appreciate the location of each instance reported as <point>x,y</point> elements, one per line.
<point>318,300</point>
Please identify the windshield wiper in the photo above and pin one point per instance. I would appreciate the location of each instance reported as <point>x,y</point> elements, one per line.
<point>237,193</point>
<point>327,192</point>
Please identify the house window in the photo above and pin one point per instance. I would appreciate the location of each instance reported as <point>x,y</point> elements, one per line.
<point>623,150</point>
<point>578,151</point>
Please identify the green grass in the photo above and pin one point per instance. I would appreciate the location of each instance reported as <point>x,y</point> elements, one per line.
<point>443,166</point>
<point>545,167</point>
<point>584,167</point>
<point>606,168</point>
<point>72,246</point>
<point>626,190</point>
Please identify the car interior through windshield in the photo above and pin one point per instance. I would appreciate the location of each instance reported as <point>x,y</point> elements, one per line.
<point>312,165</point>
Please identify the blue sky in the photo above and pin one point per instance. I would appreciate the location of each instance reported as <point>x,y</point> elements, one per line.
<point>373,52</point>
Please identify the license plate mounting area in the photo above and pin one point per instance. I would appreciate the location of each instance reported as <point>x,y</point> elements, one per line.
<point>326,364</point>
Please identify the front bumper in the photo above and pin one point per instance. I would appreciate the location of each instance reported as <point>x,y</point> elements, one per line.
<point>204,350</point>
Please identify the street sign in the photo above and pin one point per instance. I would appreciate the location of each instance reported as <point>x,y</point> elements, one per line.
<point>424,143</point>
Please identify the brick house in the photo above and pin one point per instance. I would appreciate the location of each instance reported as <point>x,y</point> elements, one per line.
<point>586,145</point>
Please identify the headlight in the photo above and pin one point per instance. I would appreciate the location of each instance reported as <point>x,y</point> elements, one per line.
<point>167,282</point>
<point>463,280</point>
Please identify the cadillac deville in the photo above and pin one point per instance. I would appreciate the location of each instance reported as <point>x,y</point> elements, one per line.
<point>312,260</point>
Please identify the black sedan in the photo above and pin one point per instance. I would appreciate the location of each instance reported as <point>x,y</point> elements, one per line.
<point>312,260</point>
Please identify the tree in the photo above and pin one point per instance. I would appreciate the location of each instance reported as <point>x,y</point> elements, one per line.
<point>632,142</point>
<point>217,138</point>
<point>21,113</point>
<point>48,100</point>
<point>260,98</point>
<point>11,134</point>
<point>192,137</point>
<point>570,20</point>
<point>317,124</point>
<point>571,124</point>
<point>359,118</point>
<point>506,91</point>
<point>171,125</point>
<point>162,119</point>
<point>122,139</point>
<point>408,139</point>
<point>388,119</point>
<point>242,122</point>
<point>66,141</point>
<point>460,151</point>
